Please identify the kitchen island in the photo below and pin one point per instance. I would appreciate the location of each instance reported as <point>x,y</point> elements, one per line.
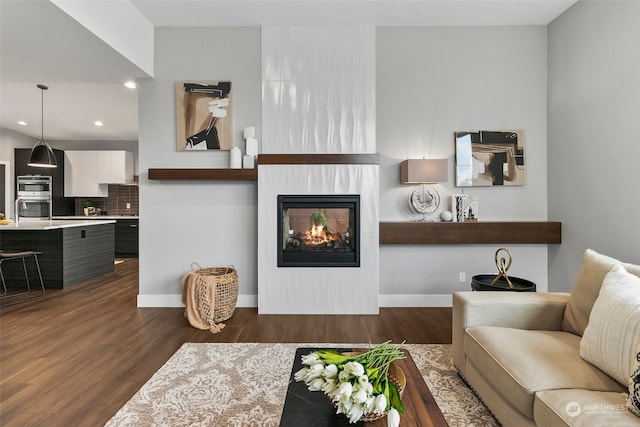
<point>127,227</point>
<point>72,251</point>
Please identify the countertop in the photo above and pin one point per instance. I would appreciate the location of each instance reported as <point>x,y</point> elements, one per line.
<point>96,217</point>
<point>51,225</point>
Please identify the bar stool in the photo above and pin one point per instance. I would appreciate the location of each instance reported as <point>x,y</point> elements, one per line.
<point>6,255</point>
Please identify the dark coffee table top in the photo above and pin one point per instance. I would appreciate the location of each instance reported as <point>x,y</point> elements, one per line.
<point>306,408</point>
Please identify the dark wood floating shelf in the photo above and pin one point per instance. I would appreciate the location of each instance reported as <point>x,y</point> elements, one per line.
<point>205,174</point>
<point>263,159</point>
<point>408,233</point>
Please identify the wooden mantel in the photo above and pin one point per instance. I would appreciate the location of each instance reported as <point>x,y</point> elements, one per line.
<point>205,174</point>
<point>489,232</point>
<point>263,159</point>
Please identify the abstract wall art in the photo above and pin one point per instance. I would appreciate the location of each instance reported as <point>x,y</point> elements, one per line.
<point>204,115</point>
<point>490,158</point>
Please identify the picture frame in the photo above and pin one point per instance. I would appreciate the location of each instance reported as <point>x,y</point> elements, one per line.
<point>488,158</point>
<point>204,115</point>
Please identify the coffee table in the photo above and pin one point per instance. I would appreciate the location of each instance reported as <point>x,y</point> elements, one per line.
<point>306,408</point>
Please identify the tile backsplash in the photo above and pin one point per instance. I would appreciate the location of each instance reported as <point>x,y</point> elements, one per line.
<point>120,196</point>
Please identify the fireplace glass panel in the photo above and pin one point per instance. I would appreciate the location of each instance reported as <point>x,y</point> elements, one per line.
<point>318,231</point>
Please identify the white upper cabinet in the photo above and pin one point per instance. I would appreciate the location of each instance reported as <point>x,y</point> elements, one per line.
<point>87,173</point>
<point>115,167</point>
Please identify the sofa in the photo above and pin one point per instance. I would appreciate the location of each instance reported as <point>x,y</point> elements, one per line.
<point>555,359</point>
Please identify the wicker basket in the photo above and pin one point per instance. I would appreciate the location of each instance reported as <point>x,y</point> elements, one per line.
<point>205,289</point>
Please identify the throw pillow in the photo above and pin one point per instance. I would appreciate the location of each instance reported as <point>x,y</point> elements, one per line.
<point>612,335</point>
<point>587,287</point>
<point>633,403</point>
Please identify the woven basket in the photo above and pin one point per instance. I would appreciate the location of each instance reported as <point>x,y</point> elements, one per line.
<point>225,280</point>
<point>200,286</point>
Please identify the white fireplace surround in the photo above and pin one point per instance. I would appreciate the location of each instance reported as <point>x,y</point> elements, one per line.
<point>318,290</point>
<point>318,97</point>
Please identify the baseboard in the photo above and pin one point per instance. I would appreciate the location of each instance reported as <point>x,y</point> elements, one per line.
<point>176,301</point>
<point>252,301</point>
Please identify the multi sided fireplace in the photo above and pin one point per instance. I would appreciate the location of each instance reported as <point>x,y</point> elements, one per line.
<point>319,231</point>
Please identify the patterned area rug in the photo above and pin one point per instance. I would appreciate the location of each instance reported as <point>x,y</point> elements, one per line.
<point>245,384</point>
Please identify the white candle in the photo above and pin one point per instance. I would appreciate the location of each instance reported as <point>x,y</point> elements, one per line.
<point>235,158</point>
<point>252,146</point>
<point>248,161</point>
<point>249,132</point>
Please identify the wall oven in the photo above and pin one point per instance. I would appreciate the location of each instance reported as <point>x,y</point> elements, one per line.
<point>33,196</point>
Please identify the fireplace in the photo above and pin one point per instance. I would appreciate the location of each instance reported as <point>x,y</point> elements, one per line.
<point>319,231</point>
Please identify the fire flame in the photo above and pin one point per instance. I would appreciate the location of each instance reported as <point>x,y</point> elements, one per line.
<point>317,235</point>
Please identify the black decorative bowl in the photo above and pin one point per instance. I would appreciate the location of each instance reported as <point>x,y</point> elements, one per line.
<point>482,282</point>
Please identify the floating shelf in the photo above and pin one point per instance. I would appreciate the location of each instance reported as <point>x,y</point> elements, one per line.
<point>205,174</point>
<point>409,233</point>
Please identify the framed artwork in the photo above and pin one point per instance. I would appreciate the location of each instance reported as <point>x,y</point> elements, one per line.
<point>204,115</point>
<point>490,158</point>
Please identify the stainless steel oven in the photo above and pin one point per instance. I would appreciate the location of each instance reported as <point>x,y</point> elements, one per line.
<point>33,197</point>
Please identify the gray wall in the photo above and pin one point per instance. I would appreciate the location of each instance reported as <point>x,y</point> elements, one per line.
<point>211,222</point>
<point>430,82</point>
<point>594,134</point>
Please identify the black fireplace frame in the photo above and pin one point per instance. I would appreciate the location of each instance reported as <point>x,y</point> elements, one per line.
<point>319,259</point>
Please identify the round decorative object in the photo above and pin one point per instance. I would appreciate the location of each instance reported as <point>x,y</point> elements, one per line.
<point>501,282</point>
<point>424,200</point>
<point>488,282</point>
<point>446,216</point>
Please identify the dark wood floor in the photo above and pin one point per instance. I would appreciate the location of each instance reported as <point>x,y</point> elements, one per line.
<point>74,358</point>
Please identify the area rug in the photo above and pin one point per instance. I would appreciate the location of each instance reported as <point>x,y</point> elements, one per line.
<point>245,384</point>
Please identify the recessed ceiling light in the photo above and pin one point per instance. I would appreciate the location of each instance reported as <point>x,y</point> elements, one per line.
<point>98,123</point>
<point>130,84</point>
<point>22,123</point>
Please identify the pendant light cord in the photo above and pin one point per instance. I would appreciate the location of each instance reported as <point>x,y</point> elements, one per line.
<point>42,89</point>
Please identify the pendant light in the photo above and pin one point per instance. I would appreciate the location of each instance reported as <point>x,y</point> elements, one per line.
<point>42,155</point>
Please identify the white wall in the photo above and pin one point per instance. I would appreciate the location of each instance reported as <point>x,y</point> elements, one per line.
<point>318,97</point>
<point>431,82</point>
<point>594,137</point>
<point>213,223</point>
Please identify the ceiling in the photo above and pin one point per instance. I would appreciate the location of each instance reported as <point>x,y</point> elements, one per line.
<point>39,43</point>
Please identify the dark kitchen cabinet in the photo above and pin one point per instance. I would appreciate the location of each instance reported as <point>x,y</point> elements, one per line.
<point>127,238</point>
<point>61,206</point>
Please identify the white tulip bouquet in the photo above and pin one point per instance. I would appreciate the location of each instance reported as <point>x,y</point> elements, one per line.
<point>357,384</point>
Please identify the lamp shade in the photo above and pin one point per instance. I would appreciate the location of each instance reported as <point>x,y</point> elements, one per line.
<point>424,171</point>
<point>42,156</point>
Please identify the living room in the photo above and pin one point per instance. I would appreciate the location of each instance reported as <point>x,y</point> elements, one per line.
<point>521,77</point>
<point>571,84</point>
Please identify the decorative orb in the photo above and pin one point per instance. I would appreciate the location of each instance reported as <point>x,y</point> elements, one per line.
<point>446,216</point>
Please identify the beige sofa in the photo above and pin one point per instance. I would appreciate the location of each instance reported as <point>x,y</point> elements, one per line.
<point>524,353</point>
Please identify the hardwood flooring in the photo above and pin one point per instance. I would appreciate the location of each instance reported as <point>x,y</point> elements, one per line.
<point>74,358</point>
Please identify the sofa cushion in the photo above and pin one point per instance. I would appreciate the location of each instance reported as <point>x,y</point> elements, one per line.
<point>517,363</point>
<point>587,287</point>
<point>633,403</point>
<point>610,339</point>
<point>582,408</point>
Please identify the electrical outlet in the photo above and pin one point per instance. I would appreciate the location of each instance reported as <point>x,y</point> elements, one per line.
<point>128,205</point>
<point>462,277</point>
